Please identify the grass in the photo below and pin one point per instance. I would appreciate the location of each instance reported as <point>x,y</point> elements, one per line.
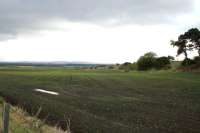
<point>105,101</point>
<point>21,122</point>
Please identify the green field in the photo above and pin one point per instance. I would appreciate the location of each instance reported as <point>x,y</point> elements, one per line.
<point>108,101</point>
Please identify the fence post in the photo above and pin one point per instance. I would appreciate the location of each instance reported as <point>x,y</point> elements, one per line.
<point>6,111</point>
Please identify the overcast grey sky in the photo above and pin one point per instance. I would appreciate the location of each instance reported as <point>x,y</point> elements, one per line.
<point>106,31</point>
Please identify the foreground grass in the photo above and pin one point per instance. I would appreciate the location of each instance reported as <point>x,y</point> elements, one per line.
<point>108,101</point>
<point>21,122</point>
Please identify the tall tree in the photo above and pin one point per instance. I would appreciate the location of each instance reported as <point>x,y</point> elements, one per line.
<point>188,41</point>
<point>193,37</point>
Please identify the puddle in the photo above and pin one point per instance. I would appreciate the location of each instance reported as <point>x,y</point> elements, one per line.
<point>47,92</point>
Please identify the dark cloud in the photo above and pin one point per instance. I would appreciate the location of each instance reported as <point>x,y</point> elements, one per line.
<point>27,15</point>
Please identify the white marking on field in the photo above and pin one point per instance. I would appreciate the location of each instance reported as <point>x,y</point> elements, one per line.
<point>48,92</point>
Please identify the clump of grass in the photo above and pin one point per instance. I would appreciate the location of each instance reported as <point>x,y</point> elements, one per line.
<point>22,122</point>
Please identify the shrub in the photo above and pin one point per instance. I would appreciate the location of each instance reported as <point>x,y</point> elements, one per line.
<point>188,62</point>
<point>162,63</point>
<point>127,66</point>
<point>146,62</point>
<point>197,59</point>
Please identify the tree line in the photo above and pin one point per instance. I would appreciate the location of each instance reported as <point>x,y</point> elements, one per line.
<point>187,42</point>
<point>149,61</point>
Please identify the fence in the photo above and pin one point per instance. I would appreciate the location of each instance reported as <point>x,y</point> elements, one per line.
<point>5,117</point>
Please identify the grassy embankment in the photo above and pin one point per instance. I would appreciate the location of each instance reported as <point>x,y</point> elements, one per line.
<point>22,122</point>
<point>108,101</point>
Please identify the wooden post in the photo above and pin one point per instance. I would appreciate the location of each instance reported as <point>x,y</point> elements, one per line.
<point>6,111</point>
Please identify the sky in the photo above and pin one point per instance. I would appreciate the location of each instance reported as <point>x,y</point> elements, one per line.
<point>98,31</point>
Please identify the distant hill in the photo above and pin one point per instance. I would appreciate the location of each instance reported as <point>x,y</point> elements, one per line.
<point>53,63</point>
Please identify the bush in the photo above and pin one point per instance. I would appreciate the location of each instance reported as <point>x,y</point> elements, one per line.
<point>150,61</point>
<point>128,66</point>
<point>188,62</point>
<point>197,59</point>
<point>146,62</point>
<point>162,63</point>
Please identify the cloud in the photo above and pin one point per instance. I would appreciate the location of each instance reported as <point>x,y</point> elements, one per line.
<point>22,16</point>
